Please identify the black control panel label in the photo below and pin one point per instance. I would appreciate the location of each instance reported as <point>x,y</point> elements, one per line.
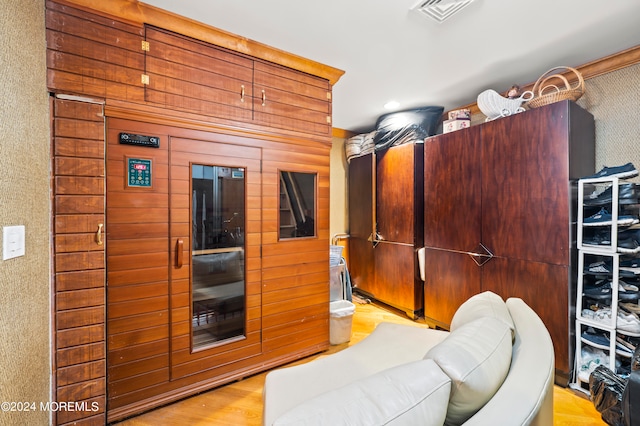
<point>139,140</point>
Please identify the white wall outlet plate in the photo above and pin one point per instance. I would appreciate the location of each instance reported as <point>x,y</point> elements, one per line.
<point>12,241</point>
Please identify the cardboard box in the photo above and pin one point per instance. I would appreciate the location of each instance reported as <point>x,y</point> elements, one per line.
<point>453,125</point>
<point>460,114</point>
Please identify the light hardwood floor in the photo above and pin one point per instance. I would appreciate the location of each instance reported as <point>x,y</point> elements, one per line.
<point>240,403</point>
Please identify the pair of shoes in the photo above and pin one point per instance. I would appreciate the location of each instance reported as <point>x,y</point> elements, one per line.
<point>627,194</point>
<point>624,348</point>
<point>599,315</point>
<point>629,241</point>
<point>622,172</point>
<point>601,340</point>
<point>630,307</point>
<point>630,265</point>
<point>602,291</point>
<point>606,268</point>
<point>596,236</point>
<point>604,218</point>
<point>591,358</point>
<point>628,323</point>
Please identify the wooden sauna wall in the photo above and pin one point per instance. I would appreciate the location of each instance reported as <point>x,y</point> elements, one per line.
<point>100,57</point>
<point>79,261</point>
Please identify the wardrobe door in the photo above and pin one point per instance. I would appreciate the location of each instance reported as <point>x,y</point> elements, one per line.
<point>451,278</point>
<point>543,286</point>
<point>452,222</point>
<point>399,189</point>
<point>525,186</point>
<point>361,262</point>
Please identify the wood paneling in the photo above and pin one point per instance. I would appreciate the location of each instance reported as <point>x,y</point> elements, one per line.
<point>78,176</point>
<point>97,59</point>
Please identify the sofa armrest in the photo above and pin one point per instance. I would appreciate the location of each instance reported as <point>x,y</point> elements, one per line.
<point>526,396</point>
<point>387,346</point>
<point>409,394</point>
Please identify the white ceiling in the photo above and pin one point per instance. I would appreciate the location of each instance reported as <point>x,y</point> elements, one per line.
<point>389,52</point>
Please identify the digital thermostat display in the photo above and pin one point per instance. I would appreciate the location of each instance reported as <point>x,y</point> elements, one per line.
<point>138,172</point>
<point>139,140</point>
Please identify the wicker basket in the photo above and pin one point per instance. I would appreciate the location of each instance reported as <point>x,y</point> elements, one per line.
<point>545,92</point>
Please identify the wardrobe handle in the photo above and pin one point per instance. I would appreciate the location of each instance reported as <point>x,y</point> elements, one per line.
<point>179,247</point>
<point>264,98</point>
<point>98,237</point>
<point>242,93</point>
<point>481,258</point>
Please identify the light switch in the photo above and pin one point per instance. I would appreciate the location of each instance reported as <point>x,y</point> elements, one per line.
<point>12,241</point>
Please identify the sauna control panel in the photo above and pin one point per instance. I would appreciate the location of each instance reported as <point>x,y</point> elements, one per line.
<point>139,140</point>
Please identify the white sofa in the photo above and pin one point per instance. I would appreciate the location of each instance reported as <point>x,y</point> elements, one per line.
<point>495,367</point>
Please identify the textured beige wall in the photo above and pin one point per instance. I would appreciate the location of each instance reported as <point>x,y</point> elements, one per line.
<point>24,200</point>
<point>338,223</point>
<point>614,101</point>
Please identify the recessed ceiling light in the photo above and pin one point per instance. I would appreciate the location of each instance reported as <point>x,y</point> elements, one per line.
<point>439,10</point>
<point>391,105</point>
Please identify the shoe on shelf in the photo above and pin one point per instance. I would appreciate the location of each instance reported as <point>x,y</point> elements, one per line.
<point>628,323</point>
<point>606,268</point>
<point>629,241</point>
<point>596,237</point>
<point>601,315</point>
<point>621,172</point>
<point>630,266</point>
<point>604,218</point>
<point>627,194</point>
<point>601,340</point>
<point>602,291</point>
<point>630,307</point>
<point>595,339</point>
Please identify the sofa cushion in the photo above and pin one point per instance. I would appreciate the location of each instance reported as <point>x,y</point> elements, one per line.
<point>411,393</point>
<point>476,356</point>
<point>486,304</point>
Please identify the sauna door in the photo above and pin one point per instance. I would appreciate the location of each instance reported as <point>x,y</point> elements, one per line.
<point>183,260</point>
<point>213,220</point>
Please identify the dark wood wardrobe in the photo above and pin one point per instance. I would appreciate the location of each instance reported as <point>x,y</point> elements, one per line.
<point>499,215</point>
<point>385,225</point>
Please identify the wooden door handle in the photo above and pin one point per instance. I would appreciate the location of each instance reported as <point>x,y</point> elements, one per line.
<point>179,247</point>
<point>98,237</point>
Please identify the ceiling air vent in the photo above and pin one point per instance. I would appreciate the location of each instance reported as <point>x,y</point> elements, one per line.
<point>440,10</point>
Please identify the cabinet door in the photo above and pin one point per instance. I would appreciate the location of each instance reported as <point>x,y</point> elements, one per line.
<point>450,279</point>
<point>361,221</point>
<point>452,190</point>
<point>399,187</point>
<point>544,287</point>
<point>452,221</point>
<point>193,76</point>
<point>292,100</point>
<point>525,186</point>
<point>395,277</point>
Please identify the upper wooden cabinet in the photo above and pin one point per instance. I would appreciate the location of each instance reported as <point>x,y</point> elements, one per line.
<point>190,75</point>
<point>143,65</point>
<point>198,77</point>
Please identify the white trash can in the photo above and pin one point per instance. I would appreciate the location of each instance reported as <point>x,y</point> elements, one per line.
<point>340,321</point>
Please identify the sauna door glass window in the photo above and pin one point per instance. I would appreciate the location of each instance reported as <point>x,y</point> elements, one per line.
<point>217,254</point>
<point>297,204</point>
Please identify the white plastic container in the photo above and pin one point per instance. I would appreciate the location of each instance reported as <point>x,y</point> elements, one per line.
<point>340,321</point>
